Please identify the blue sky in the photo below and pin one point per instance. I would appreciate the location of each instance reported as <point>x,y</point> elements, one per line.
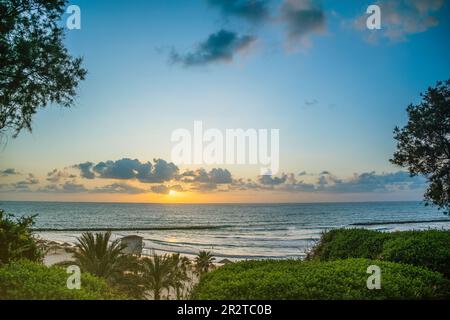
<point>335,92</point>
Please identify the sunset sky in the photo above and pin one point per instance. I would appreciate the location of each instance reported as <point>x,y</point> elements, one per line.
<point>311,69</point>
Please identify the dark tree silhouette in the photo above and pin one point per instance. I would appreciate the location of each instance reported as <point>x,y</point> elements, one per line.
<point>35,67</point>
<point>423,145</point>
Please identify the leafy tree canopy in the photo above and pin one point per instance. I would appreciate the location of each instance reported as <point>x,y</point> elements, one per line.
<point>35,67</point>
<point>423,145</point>
<point>16,239</point>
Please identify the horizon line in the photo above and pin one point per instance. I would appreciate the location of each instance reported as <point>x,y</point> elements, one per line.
<point>214,203</point>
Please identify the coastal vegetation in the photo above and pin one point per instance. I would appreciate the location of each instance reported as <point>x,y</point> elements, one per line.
<point>204,262</point>
<point>36,67</point>
<point>423,144</point>
<point>98,255</point>
<point>27,280</point>
<point>339,279</point>
<point>413,264</point>
<point>428,248</point>
<point>17,240</point>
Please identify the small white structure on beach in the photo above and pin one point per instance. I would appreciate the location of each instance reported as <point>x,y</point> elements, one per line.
<point>133,245</point>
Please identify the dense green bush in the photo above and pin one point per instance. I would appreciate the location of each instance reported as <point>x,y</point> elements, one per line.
<point>349,243</point>
<point>430,248</point>
<point>341,279</point>
<point>32,281</point>
<point>16,239</point>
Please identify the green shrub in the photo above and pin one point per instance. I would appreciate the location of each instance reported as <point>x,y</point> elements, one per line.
<point>340,279</point>
<point>430,248</point>
<point>26,280</point>
<point>16,239</point>
<point>349,243</point>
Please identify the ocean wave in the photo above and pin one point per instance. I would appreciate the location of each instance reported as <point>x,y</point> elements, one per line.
<point>184,244</point>
<point>374,223</point>
<point>132,228</point>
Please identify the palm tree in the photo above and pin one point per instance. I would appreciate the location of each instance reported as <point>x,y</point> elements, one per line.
<point>156,274</point>
<point>204,262</point>
<point>179,273</point>
<point>95,254</point>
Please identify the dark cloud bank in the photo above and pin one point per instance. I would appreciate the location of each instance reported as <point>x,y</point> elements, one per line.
<point>162,177</point>
<point>251,10</point>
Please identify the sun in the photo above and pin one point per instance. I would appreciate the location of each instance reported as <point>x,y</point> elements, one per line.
<point>172,192</point>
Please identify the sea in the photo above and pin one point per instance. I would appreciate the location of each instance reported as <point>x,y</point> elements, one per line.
<point>232,231</point>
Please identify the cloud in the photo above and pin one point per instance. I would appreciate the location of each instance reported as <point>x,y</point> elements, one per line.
<point>302,18</point>
<point>220,176</point>
<point>32,179</point>
<point>24,185</point>
<point>177,188</point>
<point>9,172</point>
<point>86,170</point>
<point>160,172</point>
<point>204,187</point>
<point>72,187</point>
<point>56,176</point>
<point>214,176</point>
<point>326,182</point>
<point>162,189</point>
<point>120,169</point>
<point>373,182</point>
<point>310,103</point>
<point>126,168</point>
<point>248,184</point>
<point>272,181</point>
<point>206,181</point>
<point>120,187</point>
<point>67,187</point>
<point>221,46</point>
<point>250,10</point>
<point>299,186</point>
<point>400,18</point>
<point>50,188</point>
<point>164,176</point>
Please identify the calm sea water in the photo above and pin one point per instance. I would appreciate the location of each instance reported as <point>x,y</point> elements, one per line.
<point>231,231</point>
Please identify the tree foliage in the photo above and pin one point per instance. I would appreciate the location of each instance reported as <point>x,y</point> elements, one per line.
<point>204,262</point>
<point>179,273</point>
<point>94,254</point>
<point>35,67</point>
<point>423,145</point>
<point>157,273</point>
<point>98,255</point>
<point>16,239</point>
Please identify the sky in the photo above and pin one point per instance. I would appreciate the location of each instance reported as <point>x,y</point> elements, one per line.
<point>312,69</point>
